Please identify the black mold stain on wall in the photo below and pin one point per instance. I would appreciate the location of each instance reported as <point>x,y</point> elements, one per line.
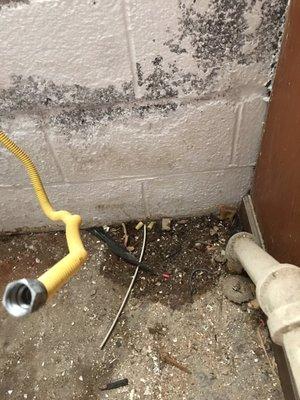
<point>215,35</point>
<point>73,107</point>
<point>12,2</point>
<point>139,73</point>
<point>159,83</point>
<point>219,34</point>
<point>213,38</point>
<point>269,32</point>
<point>31,92</point>
<point>72,120</point>
<point>166,81</point>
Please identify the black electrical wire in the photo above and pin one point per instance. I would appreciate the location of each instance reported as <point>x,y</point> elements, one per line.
<point>120,251</point>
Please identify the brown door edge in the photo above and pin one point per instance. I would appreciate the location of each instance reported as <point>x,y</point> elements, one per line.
<point>276,187</point>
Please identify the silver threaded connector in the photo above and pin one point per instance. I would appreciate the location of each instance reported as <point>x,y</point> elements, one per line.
<point>24,296</point>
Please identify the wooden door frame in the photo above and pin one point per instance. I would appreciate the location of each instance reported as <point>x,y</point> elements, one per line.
<point>276,187</point>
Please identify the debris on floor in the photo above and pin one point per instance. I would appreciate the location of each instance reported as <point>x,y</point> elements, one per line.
<point>167,359</point>
<point>238,288</point>
<point>226,212</point>
<point>118,250</point>
<point>116,384</point>
<point>55,353</point>
<point>139,225</point>
<point>150,225</point>
<point>254,304</point>
<point>125,237</point>
<point>166,224</point>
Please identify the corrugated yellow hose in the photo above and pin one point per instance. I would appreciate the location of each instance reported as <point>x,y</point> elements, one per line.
<point>61,272</point>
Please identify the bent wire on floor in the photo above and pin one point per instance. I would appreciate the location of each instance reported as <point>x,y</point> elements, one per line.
<point>127,293</point>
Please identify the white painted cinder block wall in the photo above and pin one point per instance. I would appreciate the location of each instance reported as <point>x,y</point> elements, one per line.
<point>133,108</point>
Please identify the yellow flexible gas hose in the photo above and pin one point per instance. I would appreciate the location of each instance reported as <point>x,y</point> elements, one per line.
<point>61,272</point>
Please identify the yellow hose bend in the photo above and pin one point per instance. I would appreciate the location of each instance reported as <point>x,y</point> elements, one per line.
<point>62,271</point>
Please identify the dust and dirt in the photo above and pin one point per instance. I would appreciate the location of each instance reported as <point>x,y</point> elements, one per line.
<point>55,353</point>
<point>190,245</point>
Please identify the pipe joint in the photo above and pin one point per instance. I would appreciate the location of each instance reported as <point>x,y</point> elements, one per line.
<point>278,296</point>
<point>277,291</point>
<point>283,320</point>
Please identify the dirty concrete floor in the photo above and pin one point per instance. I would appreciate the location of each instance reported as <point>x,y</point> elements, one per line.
<point>55,353</point>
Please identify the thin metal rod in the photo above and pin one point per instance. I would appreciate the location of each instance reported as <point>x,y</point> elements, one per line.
<point>127,293</point>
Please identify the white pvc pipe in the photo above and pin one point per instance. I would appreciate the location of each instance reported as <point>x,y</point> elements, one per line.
<point>254,259</point>
<point>291,344</point>
<point>277,292</point>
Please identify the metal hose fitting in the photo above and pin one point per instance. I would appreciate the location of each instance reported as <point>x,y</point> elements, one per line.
<point>24,296</point>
